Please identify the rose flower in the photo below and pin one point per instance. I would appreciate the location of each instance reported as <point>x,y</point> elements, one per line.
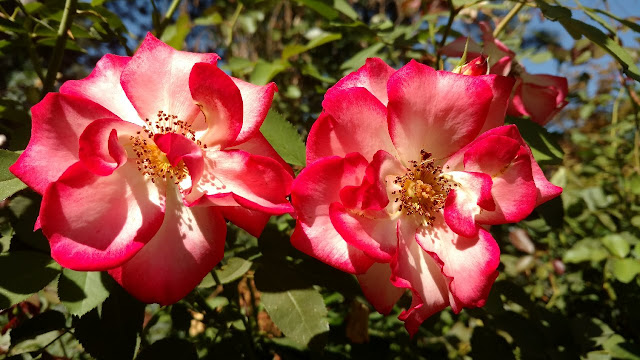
<point>140,163</point>
<point>407,170</point>
<point>538,96</point>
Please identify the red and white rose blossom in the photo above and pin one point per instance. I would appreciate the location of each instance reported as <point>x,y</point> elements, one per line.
<point>538,96</point>
<point>407,170</point>
<point>140,163</point>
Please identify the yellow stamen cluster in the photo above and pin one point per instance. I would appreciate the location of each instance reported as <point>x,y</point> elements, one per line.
<point>423,188</point>
<point>152,162</point>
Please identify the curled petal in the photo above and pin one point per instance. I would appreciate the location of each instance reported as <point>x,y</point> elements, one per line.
<point>378,289</point>
<point>100,147</point>
<point>373,76</point>
<point>258,145</point>
<point>412,268</point>
<point>221,103</point>
<point>256,101</point>
<point>353,121</point>
<point>255,182</point>
<point>178,148</point>
<point>187,246</point>
<point>103,87</point>
<point>98,222</point>
<point>465,202</point>
<point>539,97</point>
<point>436,111</point>
<point>470,264</point>
<point>157,79</point>
<point>251,221</point>
<point>58,121</point>
<point>314,190</point>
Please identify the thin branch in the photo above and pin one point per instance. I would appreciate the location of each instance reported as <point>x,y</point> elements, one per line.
<point>503,23</point>
<point>234,19</point>
<point>445,35</point>
<point>61,41</point>
<point>167,17</point>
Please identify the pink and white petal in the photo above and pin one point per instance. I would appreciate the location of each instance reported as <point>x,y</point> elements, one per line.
<point>557,83</point>
<point>157,79</point>
<point>251,221</point>
<point>537,102</point>
<point>313,191</point>
<point>501,87</point>
<point>256,101</point>
<point>373,76</point>
<point>502,66</point>
<point>456,48</point>
<point>255,182</point>
<point>357,122</point>
<point>372,193</point>
<point>103,87</point>
<point>187,246</point>
<point>466,201</point>
<point>412,268</point>
<point>221,103</point>
<point>57,122</point>
<point>378,289</point>
<point>470,263</point>
<point>435,111</point>
<point>100,148</point>
<point>258,145</point>
<point>374,235</point>
<point>545,189</point>
<point>178,148</point>
<point>94,222</point>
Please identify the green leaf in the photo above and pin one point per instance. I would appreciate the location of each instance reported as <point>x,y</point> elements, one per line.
<point>585,250</point>
<point>9,184</point>
<point>295,49</point>
<point>81,291</point>
<point>321,8</point>
<point>175,34</point>
<point>543,144</point>
<point>625,270</point>
<point>264,71</point>
<point>119,320</point>
<point>630,24</point>
<point>579,28</point>
<point>360,57</point>
<point>344,7</point>
<point>6,234</point>
<point>617,245</point>
<point>30,272</point>
<point>299,313</point>
<point>40,324</point>
<point>229,272</point>
<point>284,138</point>
<point>619,348</point>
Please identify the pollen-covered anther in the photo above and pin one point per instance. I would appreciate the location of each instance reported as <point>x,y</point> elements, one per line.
<point>166,123</point>
<point>423,188</point>
<point>153,163</point>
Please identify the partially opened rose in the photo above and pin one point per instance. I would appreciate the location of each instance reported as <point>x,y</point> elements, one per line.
<point>407,169</point>
<point>538,96</point>
<point>140,163</point>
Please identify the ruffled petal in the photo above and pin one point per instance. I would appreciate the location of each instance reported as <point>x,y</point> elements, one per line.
<point>256,101</point>
<point>435,111</point>
<point>314,190</point>
<point>469,264</point>
<point>255,182</point>
<point>157,79</point>
<point>378,289</point>
<point>412,268</point>
<point>373,76</point>
<point>258,145</point>
<point>98,222</point>
<point>58,121</point>
<point>221,103</point>
<point>353,121</point>
<point>103,87</point>
<point>251,221</point>
<point>465,201</point>
<point>100,146</point>
<point>185,249</point>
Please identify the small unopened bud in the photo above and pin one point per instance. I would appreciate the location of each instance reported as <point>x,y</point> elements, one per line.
<point>475,67</point>
<point>521,240</point>
<point>558,266</point>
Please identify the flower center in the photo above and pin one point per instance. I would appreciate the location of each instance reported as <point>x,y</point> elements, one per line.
<point>423,188</point>
<point>152,162</point>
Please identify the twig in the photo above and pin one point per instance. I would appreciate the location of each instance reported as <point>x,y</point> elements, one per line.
<point>167,17</point>
<point>503,23</point>
<point>234,19</point>
<point>61,41</point>
<point>445,35</point>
